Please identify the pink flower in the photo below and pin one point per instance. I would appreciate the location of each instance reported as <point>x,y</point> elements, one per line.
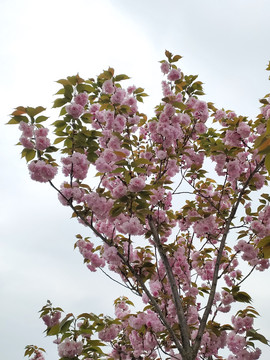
<point>131,89</point>
<point>70,348</point>
<point>75,110</point>
<point>26,129</point>
<point>108,87</point>
<point>205,226</point>
<point>81,99</point>
<point>42,172</point>
<point>232,138</point>
<point>119,191</point>
<point>165,67</point>
<point>77,163</point>
<point>136,184</point>
<point>109,333</point>
<point>42,143</point>
<point>118,96</point>
<point>243,130</point>
<point>174,74</point>
<point>26,142</point>
<point>220,114</point>
<point>200,128</point>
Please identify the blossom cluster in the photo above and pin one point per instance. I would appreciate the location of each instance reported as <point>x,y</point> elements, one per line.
<point>165,225</point>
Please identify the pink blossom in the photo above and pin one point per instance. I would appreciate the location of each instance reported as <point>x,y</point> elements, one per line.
<point>26,129</point>
<point>42,143</point>
<point>81,99</point>
<point>165,67</point>
<point>53,319</point>
<point>259,181</point>
<point>121,310</point>
<point>235,342</point>
<point>38,356</point>
<point>243,130</point>
<point>166,89</point>
<point>75,110</point>
<point>185,119</point>
<point>136,184</point>
<point>76,164</point>
<point>98,204</point>
<point>161,154</point>
<point>26,142</point>
<point>234,169</point>
<point>118,96</point>
<point>108,87</point>
<point>220,114</point>
<point>42,172</point>
<point>232,138</point>
<point>70,348</point>
<point>41,132</point>
<point>68,192</point>
<point>109,333</point>
<point>200,128</point>
<point>131,226</point>
<point>119,191</point>
<point>131,89</point>
<point>174,74</point>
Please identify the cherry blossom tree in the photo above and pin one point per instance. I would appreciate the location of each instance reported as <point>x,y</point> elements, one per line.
<point>171,217</point>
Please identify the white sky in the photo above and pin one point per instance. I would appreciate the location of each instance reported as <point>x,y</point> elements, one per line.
<point>225,42</point>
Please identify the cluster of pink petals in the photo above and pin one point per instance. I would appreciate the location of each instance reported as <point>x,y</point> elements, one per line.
<point>38,356</point>
<point>129,225</point>
<point>265,110</point>
<point>70,348</point>
<point>109,333</point>
<point>76,165</point>
<point>41,171</point>
<point>75,110</point>
<point>211,343</point>
<point>99,205</point>
<point>86,249</point>
<point>42,142</point>
<point>199,109</point>
<point>108,87</point>
<point>27,134</point>
<point>136,184</point>
<point>68,192</point>
<point>53,319</point>
<point>206,226</point>
<point>81,99</point>
<point>121,310</point>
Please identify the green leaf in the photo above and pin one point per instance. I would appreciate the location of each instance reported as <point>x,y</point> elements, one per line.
<point>60,102</point>
<point>55,330</point>
<point>267,162</point>
<point>29,154</point>
<point>168,55</point>
<point>41,119</point>
<point>85,87</point>
<point>13,121</point>
<point>34,111</point>
<point>242,296</point>
<point>121,77</point>
<point>58,140</point>
<point>140,162</point>
<point>254,335</point>
<point>116,210</point>
<point>65,326</point>
<point>176,58</point>
<point>139,170</point>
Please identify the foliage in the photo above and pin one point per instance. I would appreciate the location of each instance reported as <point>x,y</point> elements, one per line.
<point>172,211</point>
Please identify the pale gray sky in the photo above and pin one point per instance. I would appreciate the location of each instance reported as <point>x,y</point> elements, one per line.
<point>226,42</point>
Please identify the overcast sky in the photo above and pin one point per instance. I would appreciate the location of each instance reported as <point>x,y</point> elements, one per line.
<point>226,42</point>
